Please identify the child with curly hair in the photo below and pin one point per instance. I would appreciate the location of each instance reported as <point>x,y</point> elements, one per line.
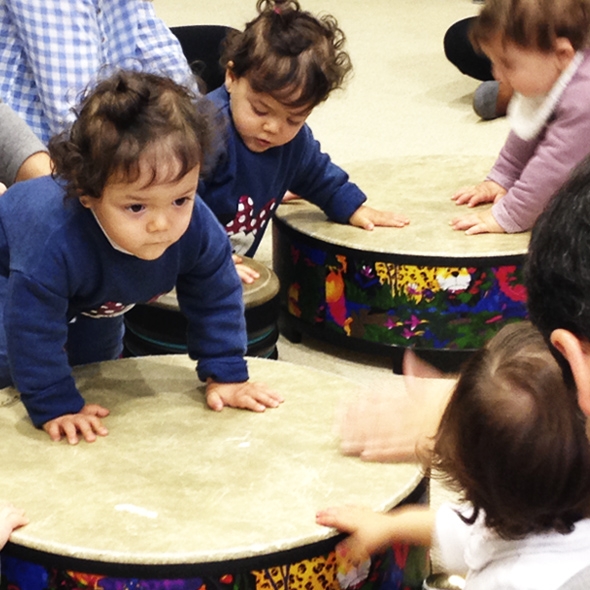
<point>284,63</point>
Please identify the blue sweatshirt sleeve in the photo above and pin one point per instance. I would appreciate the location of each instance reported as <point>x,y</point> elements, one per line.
<point>36,334</point>
<point>210,296</point>
<point>322,182</point>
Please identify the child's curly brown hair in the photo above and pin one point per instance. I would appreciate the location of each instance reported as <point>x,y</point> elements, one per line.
<point>286,51</point>
<point>129,117</point>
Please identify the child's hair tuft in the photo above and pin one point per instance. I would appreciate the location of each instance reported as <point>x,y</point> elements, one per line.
<point>286,51</point>
<point>129,119</point>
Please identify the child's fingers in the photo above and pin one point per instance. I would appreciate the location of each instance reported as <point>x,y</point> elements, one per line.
<point>247,274</point>
<point>258,396</point>
<point>465,222</point>
<point>95,410</point>
<point>13,516</point>
<point>463,194</point>
<point>214,401</point>
<point>89,427</point>
<point>53,429</point>
<point>249,396</point>
<point>367,218</point>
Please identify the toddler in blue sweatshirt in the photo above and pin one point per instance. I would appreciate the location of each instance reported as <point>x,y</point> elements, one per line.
<point>282,65</point>
<point>118,223</point>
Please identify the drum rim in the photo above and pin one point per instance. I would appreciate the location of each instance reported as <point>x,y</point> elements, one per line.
<point>281,226</point>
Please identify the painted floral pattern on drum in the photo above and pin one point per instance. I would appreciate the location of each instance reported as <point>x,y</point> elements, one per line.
<point>427,307</point>
<point>399,568</point>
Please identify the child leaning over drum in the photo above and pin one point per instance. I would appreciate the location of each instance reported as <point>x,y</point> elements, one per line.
<point>278,69</point>
<point>541,49</point>
<point>512,441</point>
<point>119,223</point>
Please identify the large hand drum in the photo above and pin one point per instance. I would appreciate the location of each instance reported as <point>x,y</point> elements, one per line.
<point>217,501</point>
<point>425,286</point>
<point>160,327</point>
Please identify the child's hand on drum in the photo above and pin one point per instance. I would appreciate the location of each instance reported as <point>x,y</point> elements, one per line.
<point>248,395</point>
<point>370,532</point>
<point>10,518</point>
<point>368,218</point>
<point>246,273</point>
<point>487,191</point>
<point>86,422</point>
<point>477,223</point>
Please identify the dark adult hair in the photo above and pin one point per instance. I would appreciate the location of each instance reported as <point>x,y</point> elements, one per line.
<point>512,439</point>
<point>286,51</point>
<point>534,24</point>
<point>127,120</point>
<point>557,266</point>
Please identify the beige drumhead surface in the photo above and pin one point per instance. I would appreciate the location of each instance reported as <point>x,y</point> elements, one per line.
<point>261,291</point>
<point>421,188</point>
<point>175,482</point>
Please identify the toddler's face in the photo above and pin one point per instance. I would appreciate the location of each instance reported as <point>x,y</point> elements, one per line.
<point>530,72</point>
<point>262,121</point>
<point>145,219</point>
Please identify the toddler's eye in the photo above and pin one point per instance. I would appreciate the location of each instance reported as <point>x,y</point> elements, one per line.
<point>136,208</point>
<point>258,112</point>
<point>180,202</point>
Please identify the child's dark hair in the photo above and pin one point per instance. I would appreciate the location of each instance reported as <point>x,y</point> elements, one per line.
<point>533,24</point>
<point>285,49</point>
<point>128,118</point>
<point>512,439</point>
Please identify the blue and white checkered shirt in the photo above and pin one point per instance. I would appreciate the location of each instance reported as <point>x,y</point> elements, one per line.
<point>52,50</point>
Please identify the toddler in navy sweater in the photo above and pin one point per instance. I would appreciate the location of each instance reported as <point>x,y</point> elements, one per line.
<point>117,224</point>
<point>278,69</point>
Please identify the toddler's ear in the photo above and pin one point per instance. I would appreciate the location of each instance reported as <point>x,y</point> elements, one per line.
<point>86,201</point>
<point>414,366</point>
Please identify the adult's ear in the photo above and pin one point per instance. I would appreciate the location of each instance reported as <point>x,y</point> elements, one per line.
<point>577,354</point>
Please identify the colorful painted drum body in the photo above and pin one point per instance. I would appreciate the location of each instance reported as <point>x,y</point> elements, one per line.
<point>160,327</point>
<point>178,496</point>
<point>425,286</point>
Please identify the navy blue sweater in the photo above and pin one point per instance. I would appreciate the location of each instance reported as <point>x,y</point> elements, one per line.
<point>56,263</point>
<point>244,187</point>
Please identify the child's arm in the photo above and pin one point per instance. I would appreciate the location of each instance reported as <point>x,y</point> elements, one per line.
<point>86,422</point>
<point>372,531</point>
<point>487,191</point>
<point>10,518</point>
<point>248,395</point>
<point>367,218</point>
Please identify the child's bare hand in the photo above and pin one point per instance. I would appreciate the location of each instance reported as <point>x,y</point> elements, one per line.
<point>10,518</point>
<point>248,395</point>
<point>487,191</point>
<point>246,273</point>
<point>86,422</point>
<point>477,223</point>
<point>368,218</point>
<point>369,531</point>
